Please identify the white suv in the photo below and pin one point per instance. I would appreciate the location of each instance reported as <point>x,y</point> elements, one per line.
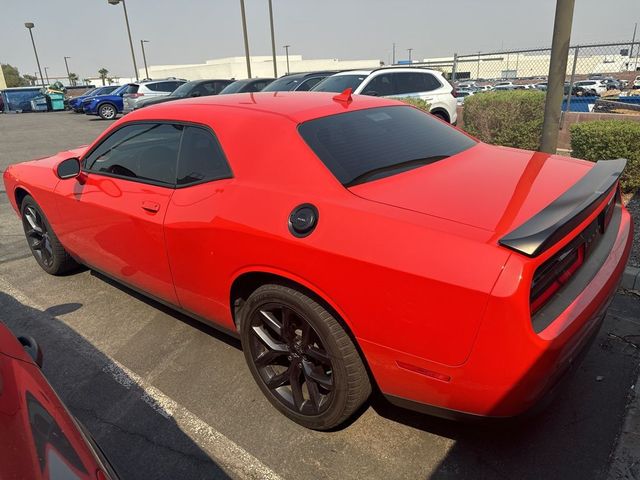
<point>597,86</point>
<point>149,89</point>
<point>398,82</point>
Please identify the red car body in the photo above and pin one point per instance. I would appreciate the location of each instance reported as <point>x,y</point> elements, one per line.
<point>412,263</point>
<point>40,438</point>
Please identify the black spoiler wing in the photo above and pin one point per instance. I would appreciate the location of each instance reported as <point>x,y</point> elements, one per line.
<point>565,213</point>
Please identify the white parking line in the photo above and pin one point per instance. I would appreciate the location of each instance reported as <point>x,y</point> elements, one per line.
<point>233,459</point>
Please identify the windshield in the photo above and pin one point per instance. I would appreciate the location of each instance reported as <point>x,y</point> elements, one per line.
<point>234,87</point>
<point>183,90</point>
<point>283,84</point>
<point>378,142</point>
<point>339,83</point>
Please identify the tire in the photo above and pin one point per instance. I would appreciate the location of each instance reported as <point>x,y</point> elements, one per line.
<point>441,116</point>
<point>107,111</point>
<point>42,241</point>
<point>311,350</point>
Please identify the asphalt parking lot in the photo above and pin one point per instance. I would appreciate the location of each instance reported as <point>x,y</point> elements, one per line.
<point>167,397</point>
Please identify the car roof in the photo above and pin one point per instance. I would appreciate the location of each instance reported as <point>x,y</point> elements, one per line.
<point>389,68</point>
<point>298,107</point>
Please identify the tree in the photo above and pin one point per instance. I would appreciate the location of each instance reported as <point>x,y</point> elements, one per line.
<point>30,79</point>
<point>73,78</point>
<point>12,76</point>
<point>103,75</point>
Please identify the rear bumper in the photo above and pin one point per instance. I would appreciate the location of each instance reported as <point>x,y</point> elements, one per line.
<point>511,367</point>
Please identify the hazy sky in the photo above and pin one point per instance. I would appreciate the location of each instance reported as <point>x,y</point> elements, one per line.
<point>93,32</point>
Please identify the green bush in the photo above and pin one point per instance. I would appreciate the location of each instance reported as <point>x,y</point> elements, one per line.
<point>512,118</point>
<point>416,102</point>
<point>609,139</point>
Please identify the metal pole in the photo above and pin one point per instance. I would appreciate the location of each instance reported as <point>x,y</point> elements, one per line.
<point>478,71</point>
<point>144,58</point>
<point>246,38</point>
<point>46,74</point>
<point>393,59</point>
<point>571,80</point>
<point>133,55</point>
<point>454,67</point>
<point>286,49</point>
<point>273,42</point>
<point>66,65</point>
<point>35,51</point>
<point>633,39</point>
<point>557,74</point>
<point>409,50</point>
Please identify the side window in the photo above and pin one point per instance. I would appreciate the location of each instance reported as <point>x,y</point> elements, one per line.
<point>201,158</point>
<point>256,86</point>
<point>146,152</point>
<point>308,84</point>
<point>414,82</point>
<point>380,86</point>
<point>154,87</point>
<point>220,86</point>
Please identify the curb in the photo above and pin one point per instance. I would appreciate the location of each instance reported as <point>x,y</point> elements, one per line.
<point>631,278</point>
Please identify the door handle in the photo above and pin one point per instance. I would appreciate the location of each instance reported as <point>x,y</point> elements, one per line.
<point>149,206</point>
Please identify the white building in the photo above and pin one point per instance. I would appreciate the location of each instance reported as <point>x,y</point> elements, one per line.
<point>261,66</point>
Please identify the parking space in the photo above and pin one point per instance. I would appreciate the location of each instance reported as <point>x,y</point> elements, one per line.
<point>168,397</point>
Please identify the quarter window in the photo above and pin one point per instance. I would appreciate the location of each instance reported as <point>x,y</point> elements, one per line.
<point>414,82</point>
<point>146,152</point>
<point>201,158</point>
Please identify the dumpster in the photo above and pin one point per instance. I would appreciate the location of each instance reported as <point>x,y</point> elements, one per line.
<point>57,100</point>
<point>39,104</point>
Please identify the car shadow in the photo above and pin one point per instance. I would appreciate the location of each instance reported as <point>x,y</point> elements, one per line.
<point>140,438</point>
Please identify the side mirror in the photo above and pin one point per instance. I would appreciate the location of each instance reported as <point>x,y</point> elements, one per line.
<point>69,168</point>
<point>32,348</point>
<point>195,94</point>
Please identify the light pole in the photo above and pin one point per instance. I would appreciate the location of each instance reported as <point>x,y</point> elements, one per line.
<point>46,74</point>
<point>273,42</point>
<point>246,38</point>
<point>126,19</point>
<point>409,50</point>
<point>478,71</point>
<point>144,57</point>
<point>30,26</point>
<point>286,49</point>
<point>393,56</point>
<point>66,65</point>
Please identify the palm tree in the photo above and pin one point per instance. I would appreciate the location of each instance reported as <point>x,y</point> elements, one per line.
<point>103,74</point>
<point>73,78</point>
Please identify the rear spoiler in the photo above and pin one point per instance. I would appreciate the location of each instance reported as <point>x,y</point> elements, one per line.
<point>566,212</point>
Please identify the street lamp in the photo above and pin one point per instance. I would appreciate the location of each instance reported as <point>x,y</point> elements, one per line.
<point>286,49</point>
<point>66,65</point>
<point>144,57</point>
<point>46,74</point>
<point>246,38</point>
<point>126,19</point>
<point>273,42</point>
<point>409,50</point>
<point>30,26</point>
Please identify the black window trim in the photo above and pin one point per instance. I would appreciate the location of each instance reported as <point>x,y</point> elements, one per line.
<point>173,186</point>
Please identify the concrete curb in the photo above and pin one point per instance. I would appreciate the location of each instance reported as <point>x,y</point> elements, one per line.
<point>625,460</point>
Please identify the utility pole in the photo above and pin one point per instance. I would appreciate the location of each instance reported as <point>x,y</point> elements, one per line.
<point>144,57</point>
<point>66,65</point>
<point>46,74</point>
<point>273,42</point>
<point>557,74</point>
<point>286,49</point>
<point>409,50</point>
<point>478,70</point>
<point>30,26</point>
<point>393,56</point>
<point>246,38</point>
<point>633,40</point>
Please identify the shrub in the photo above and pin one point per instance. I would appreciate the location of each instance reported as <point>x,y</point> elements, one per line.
<point>416,102</point>
<point>510,118</point>
<point>609,139</point>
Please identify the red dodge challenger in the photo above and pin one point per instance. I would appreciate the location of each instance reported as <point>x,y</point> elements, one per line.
<point>348,242</point>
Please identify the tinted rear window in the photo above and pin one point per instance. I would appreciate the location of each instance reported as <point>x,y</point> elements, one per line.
<point>339,83</point>
<point>133,88</point>
<point>374,143</point>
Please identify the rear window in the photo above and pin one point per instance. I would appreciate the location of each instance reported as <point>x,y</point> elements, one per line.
<point>370,144</point>
<point>339,83</point>
<point>282,84</point>
<point>133,88</point>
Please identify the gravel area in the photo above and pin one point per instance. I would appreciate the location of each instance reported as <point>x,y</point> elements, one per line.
<point>634,208</point>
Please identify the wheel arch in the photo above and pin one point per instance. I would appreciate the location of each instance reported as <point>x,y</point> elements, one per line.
<point>19,194</point>
<point>441,112</point>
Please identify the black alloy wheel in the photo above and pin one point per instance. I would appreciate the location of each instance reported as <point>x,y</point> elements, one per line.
<point>38,236</point>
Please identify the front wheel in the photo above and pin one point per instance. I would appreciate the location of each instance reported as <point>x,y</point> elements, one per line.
<point>107,111</point>
<point>302,359</point>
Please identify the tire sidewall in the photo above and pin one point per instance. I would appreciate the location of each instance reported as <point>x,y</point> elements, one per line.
<point>28,201</point>
<point>292,299</point>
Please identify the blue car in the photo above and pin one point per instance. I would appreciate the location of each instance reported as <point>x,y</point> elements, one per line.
<point>76,103</point>
<point>108,106</point>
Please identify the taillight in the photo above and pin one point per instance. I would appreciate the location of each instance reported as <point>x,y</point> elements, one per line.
<point>454,92</point>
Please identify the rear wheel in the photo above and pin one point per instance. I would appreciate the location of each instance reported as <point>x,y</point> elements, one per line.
<point>42,241</point>
<point>107,111</point>
<point>302,359</point>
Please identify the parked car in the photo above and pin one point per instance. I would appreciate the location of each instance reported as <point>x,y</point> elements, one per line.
<point>503,84</point>
<point>41,439</point>
<point>349,241</point>
<point>636,82</point>
<point>75,103</point>
<point>299,82</point>
<point>195,88</point>
<point>247,85</point>
<point>149,89</point>
<point>461,95</point>
<point>542,86</point>
<point>598,86</point>
<point>398,82</point>
<point>106,107</point>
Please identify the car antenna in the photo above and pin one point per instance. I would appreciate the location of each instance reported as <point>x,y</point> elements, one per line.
<point>345,96</point>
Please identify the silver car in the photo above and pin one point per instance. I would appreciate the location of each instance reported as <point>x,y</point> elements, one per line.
<point>149,89</point>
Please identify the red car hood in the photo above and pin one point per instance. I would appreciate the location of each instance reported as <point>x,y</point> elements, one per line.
<point>492,188</point>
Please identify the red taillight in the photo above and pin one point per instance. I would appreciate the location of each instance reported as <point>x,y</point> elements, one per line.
<point>454,92</point>
<point>135,95</point>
